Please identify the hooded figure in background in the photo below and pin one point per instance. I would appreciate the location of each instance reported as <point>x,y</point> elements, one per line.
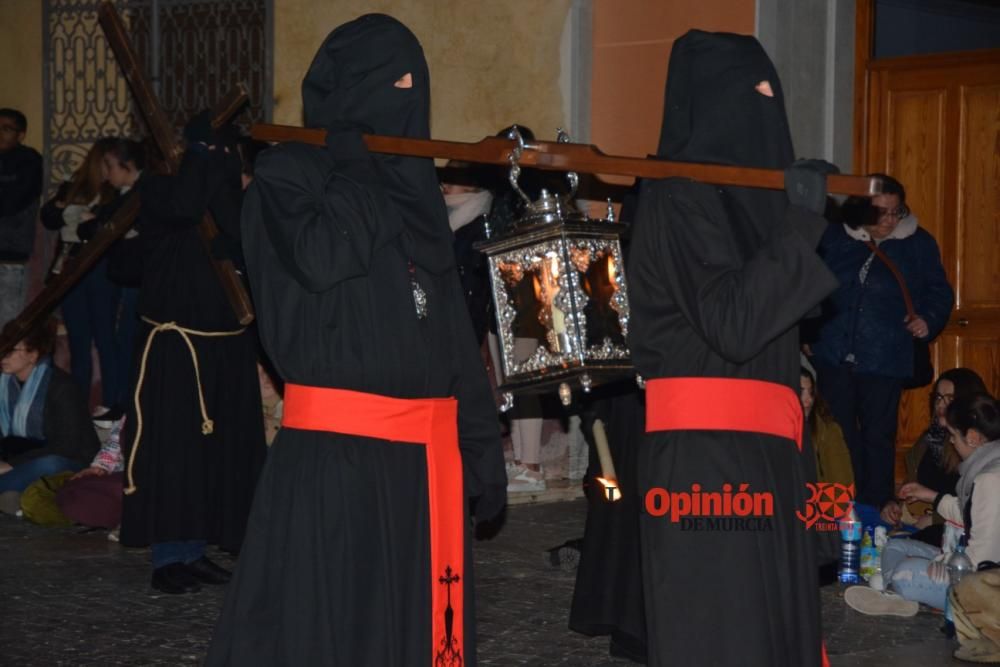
<point>357,545</point>
<point>719,277</point>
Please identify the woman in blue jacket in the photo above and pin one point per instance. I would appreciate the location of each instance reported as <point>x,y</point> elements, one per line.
<point>865,347</point>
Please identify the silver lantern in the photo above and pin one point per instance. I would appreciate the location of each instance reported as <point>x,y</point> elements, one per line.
<point>558,284</point>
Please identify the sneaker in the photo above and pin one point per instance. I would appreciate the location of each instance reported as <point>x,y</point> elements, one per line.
<point>978,650</point>
<point>106,417</point>
<point>525,480</point>
<point>875,581</point>
<point>879,603</point>
<point>10,502</point>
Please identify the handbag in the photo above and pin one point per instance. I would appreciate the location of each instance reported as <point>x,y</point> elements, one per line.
<point>923,369</point>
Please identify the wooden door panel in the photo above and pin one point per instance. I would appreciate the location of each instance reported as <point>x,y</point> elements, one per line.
<point>914,153</point>
<point>933,122</point>
<point>981,353</point>
<point>979,200</point>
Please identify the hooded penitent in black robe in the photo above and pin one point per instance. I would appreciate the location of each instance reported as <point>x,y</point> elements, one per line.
<point>191,485</point>
<point>608,595</point>
<point>718,279</point>
<point>335,570</point>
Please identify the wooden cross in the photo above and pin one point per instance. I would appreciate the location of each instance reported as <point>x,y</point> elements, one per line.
<point>559,156</point>
<point>162,133</point>
<point>120,222</point>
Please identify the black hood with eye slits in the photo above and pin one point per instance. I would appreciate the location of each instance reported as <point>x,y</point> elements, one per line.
<point>712,113</point>
<point>351,82</point>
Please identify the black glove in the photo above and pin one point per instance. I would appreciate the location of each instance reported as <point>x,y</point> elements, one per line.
<point>344,141</point>
<point>490,504</point>
<point>805,183</point>
<point>85,231</point>
<point>199,128</point>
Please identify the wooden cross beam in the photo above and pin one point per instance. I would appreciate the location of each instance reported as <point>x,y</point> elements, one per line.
<point>162,133</point>
<point>557,156</point>
<point>92,251</point>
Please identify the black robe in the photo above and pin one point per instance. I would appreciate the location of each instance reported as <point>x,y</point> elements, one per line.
<point>608,596</point>
<point>719,278</point>
<point>191,486</point>
<point>335,570</point>
<point>709,300</point>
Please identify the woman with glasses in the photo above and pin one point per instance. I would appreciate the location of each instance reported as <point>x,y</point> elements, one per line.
<point>933,461</point>
<point>45,426</point>
<point>865,347</point>
<point>914,572</point>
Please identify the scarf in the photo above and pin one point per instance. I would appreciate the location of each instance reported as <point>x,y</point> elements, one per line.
<point>935,436</point>
<point>985,457</point>
<point>22,406</point>
<point>464,207</point>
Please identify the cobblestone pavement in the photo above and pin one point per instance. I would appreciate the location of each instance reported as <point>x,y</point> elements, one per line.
<point>72,598</point>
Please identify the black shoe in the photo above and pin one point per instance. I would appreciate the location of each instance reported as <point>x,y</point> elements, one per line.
<point>208,572</point>
<point>174,579</point>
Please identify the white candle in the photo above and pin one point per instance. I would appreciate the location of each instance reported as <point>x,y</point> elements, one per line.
<point>558,320</point>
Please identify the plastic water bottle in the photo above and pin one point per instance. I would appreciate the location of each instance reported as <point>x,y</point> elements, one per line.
<point>850,548</point>
<point>959,565</point>
<point>869,554</point>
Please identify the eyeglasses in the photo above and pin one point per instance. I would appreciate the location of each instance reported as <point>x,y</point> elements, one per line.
<point>898,213</point>
<point>947,398</point>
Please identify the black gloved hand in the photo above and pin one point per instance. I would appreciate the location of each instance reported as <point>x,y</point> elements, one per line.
<point>344,141</point>
<point>199,128</point>
<point>85,231</point>
<point>490,504</point>
<point>805,183</point>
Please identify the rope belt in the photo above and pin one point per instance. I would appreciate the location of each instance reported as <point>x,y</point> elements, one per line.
<point>207,425</point>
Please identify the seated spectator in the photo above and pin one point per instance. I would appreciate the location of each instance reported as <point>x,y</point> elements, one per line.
<point>44,422</point>
<point>975,604</point>
<point>833,461</point>
<point>932,460</point>
<point>20,189</point>
<point>915,571</point>
<point>93,496</point>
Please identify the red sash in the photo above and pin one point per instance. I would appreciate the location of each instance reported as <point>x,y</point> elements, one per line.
<point>432,422</point>
<point>723,404</point>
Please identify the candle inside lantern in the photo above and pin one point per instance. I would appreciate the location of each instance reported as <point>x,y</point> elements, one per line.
<point>558,320</point>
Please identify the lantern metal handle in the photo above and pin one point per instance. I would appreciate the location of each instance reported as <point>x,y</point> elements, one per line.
<point>562,137</point>
<point>515,158</point>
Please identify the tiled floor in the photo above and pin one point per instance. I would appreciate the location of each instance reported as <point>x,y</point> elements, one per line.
<point>68,598</point>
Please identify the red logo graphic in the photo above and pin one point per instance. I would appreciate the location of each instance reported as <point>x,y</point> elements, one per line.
<point>829,502</point>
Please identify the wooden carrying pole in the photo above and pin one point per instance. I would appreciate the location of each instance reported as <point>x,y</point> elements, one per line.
<point>555,156</point>
<point>92,251</point>
<point>162,133</point>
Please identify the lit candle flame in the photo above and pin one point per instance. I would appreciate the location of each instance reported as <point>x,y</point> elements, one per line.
<point>611,490</point>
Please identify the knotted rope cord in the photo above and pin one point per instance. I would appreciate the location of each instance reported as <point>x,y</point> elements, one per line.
<point>207,425</point>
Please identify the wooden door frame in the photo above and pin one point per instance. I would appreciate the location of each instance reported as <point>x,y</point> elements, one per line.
<point>864,62</point>
<point>864,41</point>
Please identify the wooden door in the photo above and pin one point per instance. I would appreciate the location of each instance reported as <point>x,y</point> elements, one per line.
<point>933,122</point>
